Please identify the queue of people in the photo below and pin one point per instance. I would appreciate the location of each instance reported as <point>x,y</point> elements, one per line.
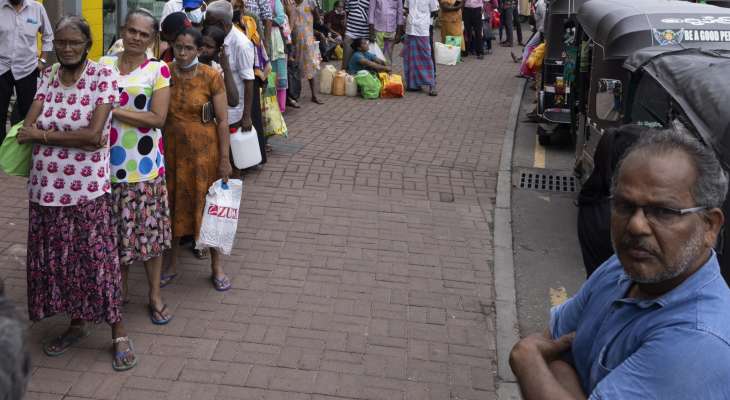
<point>125,148</point>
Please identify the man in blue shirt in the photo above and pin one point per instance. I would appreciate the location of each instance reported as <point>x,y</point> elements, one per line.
<point>653,322</point>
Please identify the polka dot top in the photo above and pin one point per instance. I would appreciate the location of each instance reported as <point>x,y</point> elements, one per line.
<point>136,152</point>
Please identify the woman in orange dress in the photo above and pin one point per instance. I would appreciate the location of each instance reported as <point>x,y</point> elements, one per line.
<point>196,144</point>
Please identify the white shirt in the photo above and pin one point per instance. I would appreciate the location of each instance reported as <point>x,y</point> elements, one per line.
<point>419,16</point>
<point>540,15</point>
<point>241,55</point>
<point>171,7</point>
<point>18,31</point>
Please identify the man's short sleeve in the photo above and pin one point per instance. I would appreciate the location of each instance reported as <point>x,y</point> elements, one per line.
<point>46,32</point>
<point>434,5</point>
<point>675,363</point>
<point>242,59</point>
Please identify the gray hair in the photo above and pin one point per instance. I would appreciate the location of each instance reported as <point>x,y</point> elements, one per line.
<point>143,12</point>
<point>711,185</point>
<point>222,9</point>
<point>77,22</point>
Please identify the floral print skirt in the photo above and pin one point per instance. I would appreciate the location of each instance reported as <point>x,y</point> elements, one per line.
<point>142,218</point>
<point>73,265</point>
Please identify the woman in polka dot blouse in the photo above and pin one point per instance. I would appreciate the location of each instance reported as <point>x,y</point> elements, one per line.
<point>141,208</point>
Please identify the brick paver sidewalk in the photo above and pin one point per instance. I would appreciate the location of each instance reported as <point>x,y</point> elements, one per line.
<point>362,270</point>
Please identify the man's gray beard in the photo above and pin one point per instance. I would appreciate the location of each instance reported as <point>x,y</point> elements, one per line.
<point>689,253</point>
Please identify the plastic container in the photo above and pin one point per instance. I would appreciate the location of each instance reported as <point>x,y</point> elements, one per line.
<point>338,86</point>
<point>326,77</point>
<point>245,148</point>
<point>350,86</point>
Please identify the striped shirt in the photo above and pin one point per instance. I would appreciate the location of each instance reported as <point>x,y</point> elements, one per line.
<point>357,19</point>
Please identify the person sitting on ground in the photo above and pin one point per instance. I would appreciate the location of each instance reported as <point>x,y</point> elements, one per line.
<point>328,39</point>
<point>335,19</point>
<point>363,59</point>
<point>652,321</point>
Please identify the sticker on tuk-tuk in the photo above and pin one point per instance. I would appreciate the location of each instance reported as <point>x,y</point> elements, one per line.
<point>698,21</point>
<point>700,35</point>
<point>668,37</point>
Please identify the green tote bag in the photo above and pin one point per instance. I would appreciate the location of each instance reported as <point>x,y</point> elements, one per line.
<point>15,157</point>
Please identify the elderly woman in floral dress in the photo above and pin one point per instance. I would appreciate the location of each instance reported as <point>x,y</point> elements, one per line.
<point>73,265</point>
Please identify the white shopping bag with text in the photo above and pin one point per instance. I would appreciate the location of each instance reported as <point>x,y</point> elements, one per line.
<point>220,216</point>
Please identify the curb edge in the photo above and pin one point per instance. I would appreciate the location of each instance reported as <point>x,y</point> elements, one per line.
<point>504,274</point>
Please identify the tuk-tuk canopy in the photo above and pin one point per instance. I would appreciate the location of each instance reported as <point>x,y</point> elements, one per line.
<point>621,27</point>
<point>697,80</point>
<point>565,6</point>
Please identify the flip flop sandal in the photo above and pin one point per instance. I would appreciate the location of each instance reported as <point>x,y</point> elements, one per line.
<point>222,284</point>
<point>120,355</point>
<point>160,321</point>
<point>166,279</point>
<point>65,341</point>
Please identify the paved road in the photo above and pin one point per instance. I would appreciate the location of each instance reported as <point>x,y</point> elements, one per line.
<point>362,268</point>
<point>548,263</point>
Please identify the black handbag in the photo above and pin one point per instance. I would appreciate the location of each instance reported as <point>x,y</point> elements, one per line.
<point>294,80</point>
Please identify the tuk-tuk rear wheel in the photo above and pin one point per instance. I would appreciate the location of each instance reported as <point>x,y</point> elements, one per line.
<point>544,140</point>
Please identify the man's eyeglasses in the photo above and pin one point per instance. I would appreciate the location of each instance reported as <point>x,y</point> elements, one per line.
<point>74,44</point>
<point>654,214</point>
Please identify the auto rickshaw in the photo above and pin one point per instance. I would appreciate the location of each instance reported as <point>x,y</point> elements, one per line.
<point>689,85</point>
<point>554,92</point>
<point>611,31</point>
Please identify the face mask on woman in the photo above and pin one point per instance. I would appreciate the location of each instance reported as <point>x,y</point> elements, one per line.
<point>192,64</point>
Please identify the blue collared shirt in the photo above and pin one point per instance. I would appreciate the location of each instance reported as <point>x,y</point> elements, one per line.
<point>676,346</point>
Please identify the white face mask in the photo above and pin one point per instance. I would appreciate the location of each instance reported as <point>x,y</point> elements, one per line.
<point>196,16</point>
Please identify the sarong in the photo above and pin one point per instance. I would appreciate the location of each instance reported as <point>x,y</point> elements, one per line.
<point>417,63</point>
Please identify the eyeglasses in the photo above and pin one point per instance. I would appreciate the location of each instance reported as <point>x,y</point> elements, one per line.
<point>656,215</point>
<point>74,44</point>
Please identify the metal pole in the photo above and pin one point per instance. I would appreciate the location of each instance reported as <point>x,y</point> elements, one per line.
<point>122,8</point>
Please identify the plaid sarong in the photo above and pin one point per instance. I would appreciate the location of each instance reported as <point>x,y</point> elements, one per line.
<point>417,63</point>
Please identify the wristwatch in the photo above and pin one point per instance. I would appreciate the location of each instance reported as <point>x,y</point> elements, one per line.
<point>43,60</point>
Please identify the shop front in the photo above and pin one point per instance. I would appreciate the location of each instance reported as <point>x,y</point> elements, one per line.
<point>104,16</point>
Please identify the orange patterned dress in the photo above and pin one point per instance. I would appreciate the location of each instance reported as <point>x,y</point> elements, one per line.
<point>191,147</point>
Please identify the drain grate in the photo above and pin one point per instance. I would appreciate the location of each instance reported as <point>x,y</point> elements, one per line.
<point>547,182</point>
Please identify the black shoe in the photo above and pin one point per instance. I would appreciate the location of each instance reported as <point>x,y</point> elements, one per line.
<point>480,56</point>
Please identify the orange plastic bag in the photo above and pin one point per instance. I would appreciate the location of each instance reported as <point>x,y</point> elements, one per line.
<point>392,85</point>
